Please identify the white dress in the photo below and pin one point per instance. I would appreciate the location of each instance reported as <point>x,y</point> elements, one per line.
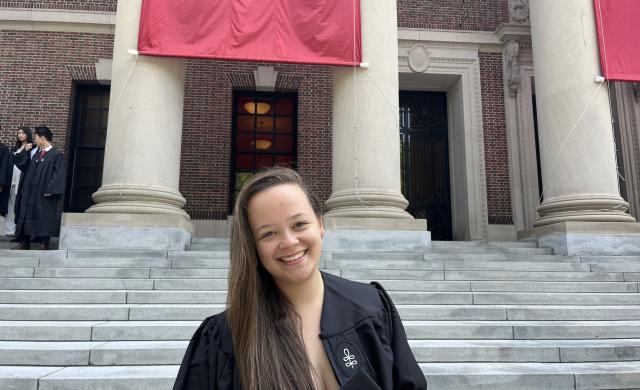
<point>9,220</point>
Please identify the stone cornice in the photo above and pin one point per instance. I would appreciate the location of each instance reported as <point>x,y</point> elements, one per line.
<point>513,31</point>
<point>479,40</point>
<point>22,19</point>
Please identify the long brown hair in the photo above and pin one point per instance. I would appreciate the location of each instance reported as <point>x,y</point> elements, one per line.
<point>266,331</point>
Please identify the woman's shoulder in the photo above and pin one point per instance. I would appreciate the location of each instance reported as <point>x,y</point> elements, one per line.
<point>347,302</point>
<point>214,332</point>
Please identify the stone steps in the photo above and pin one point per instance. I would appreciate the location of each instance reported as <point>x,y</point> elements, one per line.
<point>399,297</point>
<point>440,376</point>
<point>477,315</point>
<point>161,352</point>
<point>213,284</point>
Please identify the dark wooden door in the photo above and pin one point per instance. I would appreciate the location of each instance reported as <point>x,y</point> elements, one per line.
<point>88,137</point>
<point>424,149</point>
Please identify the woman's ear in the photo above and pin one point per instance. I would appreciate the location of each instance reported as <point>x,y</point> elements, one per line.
<point>321,227</point>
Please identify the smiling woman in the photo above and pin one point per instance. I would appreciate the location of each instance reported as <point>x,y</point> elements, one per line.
<point>288,325</point>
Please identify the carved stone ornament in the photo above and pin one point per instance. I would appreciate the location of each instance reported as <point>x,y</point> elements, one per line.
<point>519,11</point>
<point>511,50</point>
<point>636,92</point>
<point>419,58</point>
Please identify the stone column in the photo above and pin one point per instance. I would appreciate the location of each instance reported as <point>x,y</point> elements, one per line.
<point>578,159</point>
<point>366,146</point>
<point>367,208</point>
<point>138,206</point>
<point>142,155</point>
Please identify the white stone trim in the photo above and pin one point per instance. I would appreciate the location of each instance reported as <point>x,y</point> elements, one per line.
<point>478,40</point>
<point>466,141</point>
<point>21,19</point>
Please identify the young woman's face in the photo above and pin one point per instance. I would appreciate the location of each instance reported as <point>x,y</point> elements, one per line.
<point>22,136</point>
<point>287,232</point>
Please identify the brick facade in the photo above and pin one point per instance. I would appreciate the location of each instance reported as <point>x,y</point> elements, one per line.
<point>495,139</point>
<point>38,71</point>
<point>204,182</point>
<point>78,5</point>
<point>471,15</point>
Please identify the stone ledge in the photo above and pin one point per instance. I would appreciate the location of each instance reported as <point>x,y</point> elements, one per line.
<point>125,231</point>
<point>587,238</point>
<point>344,223</point>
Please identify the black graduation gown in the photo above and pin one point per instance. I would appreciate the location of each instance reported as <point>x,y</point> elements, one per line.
<point>37,215</point>
<point>362,335</point>
<point>6,172</point>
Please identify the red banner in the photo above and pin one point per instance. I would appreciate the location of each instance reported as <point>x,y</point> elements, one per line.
<point>618,23</point>
<point>295,31</point>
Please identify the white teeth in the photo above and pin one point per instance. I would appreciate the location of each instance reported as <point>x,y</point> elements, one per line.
<point>293,257</point>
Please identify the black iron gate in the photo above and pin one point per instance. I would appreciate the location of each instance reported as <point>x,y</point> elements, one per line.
<point>424,149</point>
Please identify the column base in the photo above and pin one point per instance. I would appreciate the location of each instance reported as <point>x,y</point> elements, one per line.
<point>125,231</point>
<point>587,238</point>
<point>600,208</point>
<point>375,234</point>
<point>138,199</point>
<point>367,203</point>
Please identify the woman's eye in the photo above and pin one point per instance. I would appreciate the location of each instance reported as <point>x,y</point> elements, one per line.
<point>266,235</point>
<point>300,225</point>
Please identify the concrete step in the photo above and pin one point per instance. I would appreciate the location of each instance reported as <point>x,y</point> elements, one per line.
<point>80,272</point>
<point>567,276</point>
<point>499,257</point>
<point>106,262</point>
<point>452,265</point>
<point>32,254</point>
<point>83,353</point>
<point>113,253</point>
<point>122,353</point>
<point>513,351</point>
<point>491,250</point>
<point>177,255</point>
<point>532,376</point>
<point>518,312</point>
<point>399,297</point>
<point>207,247</point>
<point>485,244</point>
<point>96,330</point>
<point>189,273</point>
<point>76,284</point>
<point>529,330</point>
<point>426,275</point>
<point>110,378</point>
<point>63,296</point>
<point>616,267</point>
<point>17,272</point>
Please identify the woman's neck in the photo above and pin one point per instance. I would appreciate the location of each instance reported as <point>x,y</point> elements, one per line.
<point>305,293</point>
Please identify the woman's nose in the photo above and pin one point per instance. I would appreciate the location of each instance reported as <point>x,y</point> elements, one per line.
<point>289,238</point>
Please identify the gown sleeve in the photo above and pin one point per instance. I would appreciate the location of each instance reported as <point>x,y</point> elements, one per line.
<point>205,365</point>
<point>6,167</point>
<point>406,371</point>
<point>22,159</point>
<point>57,182</point>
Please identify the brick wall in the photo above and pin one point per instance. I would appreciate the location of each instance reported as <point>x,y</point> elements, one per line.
<point>478,15</point>
<point>206,136</point>
<point>37,71</point>
<point>495,139</point>
<point>80,5</point>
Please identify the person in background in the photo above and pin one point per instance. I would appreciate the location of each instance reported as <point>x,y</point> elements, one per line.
<point>23,137</point>
<point>40,191</point>
<point>5,178</point>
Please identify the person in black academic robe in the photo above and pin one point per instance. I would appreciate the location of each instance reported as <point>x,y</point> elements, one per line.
<point>41,187</point>
<point>6,171</point>
<point>362,335</point>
